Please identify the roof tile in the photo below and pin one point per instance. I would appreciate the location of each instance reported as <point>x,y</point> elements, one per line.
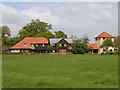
<point>28,41</point>
<point>104,34</point>
<point>93,45</point>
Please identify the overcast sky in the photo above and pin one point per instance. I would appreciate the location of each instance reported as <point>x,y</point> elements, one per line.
<point>73,18</point>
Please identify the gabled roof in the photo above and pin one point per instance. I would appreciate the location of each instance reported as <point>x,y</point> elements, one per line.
<point>56,40</point>
<point>93,45</point>
<point>28,41</point>
<point>104,34</point>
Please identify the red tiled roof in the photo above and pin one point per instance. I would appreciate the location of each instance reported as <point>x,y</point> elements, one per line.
<point>104,34</point>
<point>28,41</point>
<point>93,45</point>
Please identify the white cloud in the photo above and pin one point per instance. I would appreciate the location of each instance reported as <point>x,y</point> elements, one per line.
<point>73,18</point>
<point>13,18</point>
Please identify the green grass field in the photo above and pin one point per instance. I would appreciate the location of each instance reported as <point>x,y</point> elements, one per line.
<point>60,71</point>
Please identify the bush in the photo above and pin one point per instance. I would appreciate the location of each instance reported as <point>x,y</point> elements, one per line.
<point>109,53</point>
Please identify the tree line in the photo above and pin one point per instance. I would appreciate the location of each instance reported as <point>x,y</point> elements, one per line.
<point>37,28</point>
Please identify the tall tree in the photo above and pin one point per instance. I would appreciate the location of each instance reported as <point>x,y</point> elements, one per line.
<point>14,40</point>
<point>5,35</point>
<point>73,37</point>
<point>46,34</point>
<point>33,28</point>
<point>60,34</point>
<point>85,39</point>
<point>107,43</point>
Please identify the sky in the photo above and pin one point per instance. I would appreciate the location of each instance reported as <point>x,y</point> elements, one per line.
<point>74,18</point>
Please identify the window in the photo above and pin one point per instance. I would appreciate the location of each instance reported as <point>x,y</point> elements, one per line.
<point>115,49</point>
<point>103,38</point>
<point>26,51</point>
<point>36,44</point>
<point>15,51</point>
<point>103,49</point>
<point>62,44</point>
<point>43,45</point>
<point>69,47</point>
<point>110,49</point>
<point>53,51</point>
<point>65,45</point>
<point>25,44</point>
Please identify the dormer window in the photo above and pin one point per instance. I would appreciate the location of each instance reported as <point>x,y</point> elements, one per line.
<point>25,44</point>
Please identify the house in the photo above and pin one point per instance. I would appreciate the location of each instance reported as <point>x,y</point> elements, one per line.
<point>99,39</point>
<point>61,45</point>
<point>94,47</point>
<point>40,45</point>
<point>31,44</point>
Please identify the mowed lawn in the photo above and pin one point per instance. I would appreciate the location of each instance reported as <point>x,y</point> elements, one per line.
<point>60,71</point>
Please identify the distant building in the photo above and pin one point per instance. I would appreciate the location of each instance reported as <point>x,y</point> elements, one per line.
<point>99,41</point>
<point>40,45</point>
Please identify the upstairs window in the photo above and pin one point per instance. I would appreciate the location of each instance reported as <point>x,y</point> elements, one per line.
<point>43,45</point>
<point>103,49</point>
<point>65,45</point>
<point>62,44</point>
<point>25,44</point>
<point>111,50</point>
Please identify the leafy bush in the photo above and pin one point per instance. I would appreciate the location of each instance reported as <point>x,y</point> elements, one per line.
<point>109,53</point>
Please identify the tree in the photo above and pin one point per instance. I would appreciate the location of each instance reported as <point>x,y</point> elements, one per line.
<point>60,34</point>
<point>73,37</point>
<point>15,40</point>
<point>50,48</point>
<point>85,39</point>
<point>5,34</point>
<point>46,34</point>
<point>107,43</point>
<point>79,47</point>
<point>58,46</point>
<point>33,28</point>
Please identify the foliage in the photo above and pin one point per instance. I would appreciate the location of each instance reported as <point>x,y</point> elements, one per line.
<point>33,28</point>
<point>50,48</point>
<point>5,34</point>
<point>58,46</point>
<point>73,37</point>
<point>85,39</point>
<point>15,40</point>
<point>107,43</point>
<point>110,53</point>
<point>117,43</point>
<point>79,47</point>
<point>46,34</point>
<point>60,34</point>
